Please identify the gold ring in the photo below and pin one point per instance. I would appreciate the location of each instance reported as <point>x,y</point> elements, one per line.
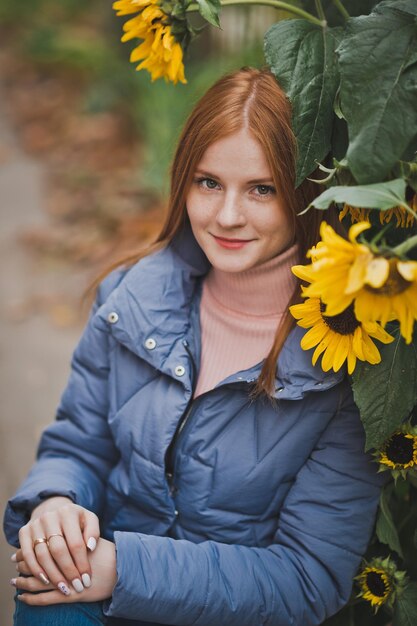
<point>53,535</point>
<point>39,540</point>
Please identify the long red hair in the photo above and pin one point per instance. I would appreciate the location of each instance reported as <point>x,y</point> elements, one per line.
<point>252,98</point>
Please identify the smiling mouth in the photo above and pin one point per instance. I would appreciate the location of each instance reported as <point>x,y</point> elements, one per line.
<point>226,242</point>
<point>231,240</point>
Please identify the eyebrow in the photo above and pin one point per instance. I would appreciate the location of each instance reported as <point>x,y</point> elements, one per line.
<point>255,181</point>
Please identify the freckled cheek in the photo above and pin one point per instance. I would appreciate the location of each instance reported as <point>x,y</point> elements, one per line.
<point>269,225</point>
<point>277,233</point>
<point>202,212</point>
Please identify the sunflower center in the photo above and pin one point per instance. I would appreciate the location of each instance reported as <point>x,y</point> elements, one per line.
<point>345,323</point>
<point>400,449</point>
<point>394,284</point>
<point>377,584</point>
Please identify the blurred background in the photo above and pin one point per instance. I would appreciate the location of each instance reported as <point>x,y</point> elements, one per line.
<point>85,147</point>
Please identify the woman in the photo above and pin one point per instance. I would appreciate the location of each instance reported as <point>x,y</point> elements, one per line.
<point>201,470</point>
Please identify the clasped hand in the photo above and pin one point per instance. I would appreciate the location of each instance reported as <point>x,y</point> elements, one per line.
<point>62,557</point>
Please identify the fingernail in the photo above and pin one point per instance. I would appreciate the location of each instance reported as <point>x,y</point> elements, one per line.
<point>43,578</point>
<point>77,584</point>
<point>91,544</point>
<point>13,582</point>
<point>13,557</point>
<point>86,580</point>
<point>63,589</point>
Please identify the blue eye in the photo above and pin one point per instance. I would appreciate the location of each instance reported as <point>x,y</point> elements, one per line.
<point>265,190</point>
<point>206,183</point>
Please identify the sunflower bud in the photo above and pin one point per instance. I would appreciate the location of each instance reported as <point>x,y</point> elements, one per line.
<point>380,582</point>
<point>399,452</point>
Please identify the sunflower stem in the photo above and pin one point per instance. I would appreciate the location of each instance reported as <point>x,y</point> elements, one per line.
<point>277,4</point>
<point>339,6</point>
<point>406,246</point>
<point>319,9</point>
<point>373,243</point>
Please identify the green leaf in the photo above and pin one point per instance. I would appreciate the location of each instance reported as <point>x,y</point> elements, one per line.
<point>378,91</point>
<point>406,6</point>
<point>407,170</point>
<point>302,57</point>
<point>379,196</point>
<point>386,393</point>
<point>405,611</point>
<point>385,527</point>
<point>210,10</point>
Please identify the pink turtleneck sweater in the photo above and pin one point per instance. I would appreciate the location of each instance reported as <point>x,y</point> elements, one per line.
<point>239,316</point>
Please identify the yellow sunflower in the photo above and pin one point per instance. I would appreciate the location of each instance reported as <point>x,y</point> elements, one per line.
<point>159,51</point>
<point>399,452</point>
<point>404,218</point>
<point>380,581</point>
<point>338,338</point>
<point>375,585</point>
<point>344,272</point>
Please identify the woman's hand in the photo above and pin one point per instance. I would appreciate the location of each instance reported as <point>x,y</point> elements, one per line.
<point>103,569</point>
<point>54,544</point>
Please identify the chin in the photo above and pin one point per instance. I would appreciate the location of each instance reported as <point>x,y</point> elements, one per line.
<point>232,266</point>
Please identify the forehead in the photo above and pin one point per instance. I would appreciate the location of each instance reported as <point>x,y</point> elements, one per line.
<point>238,153</point>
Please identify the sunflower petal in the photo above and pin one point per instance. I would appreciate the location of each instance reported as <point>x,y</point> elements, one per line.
<point>341,352</point>
<point>408,270</point>
<point>319,350</point>
<point>351,361</point>
<point>314,336</point>
<point>357,274</point>
<point>329,356</point>
<point>357,229</point>
<point>357,343</point>
<point>377,272</point>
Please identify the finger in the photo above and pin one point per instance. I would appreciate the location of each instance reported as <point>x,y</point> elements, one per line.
<point>26,544</point>
<point>22,568</point>
<point>91,529</point>
<point>77,548</point>
<point>30,583</point>
<point>18,555</point>
<point>45,598</point>
<point>51,570</point>
<point>65,542</point>
<point>61,555</point>
<point>49,566</point>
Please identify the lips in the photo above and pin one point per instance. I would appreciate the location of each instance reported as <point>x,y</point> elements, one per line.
<point>231,244</point>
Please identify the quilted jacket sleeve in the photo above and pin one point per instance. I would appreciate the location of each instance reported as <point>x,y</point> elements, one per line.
<point>304,576</point>
<point>76,452</point>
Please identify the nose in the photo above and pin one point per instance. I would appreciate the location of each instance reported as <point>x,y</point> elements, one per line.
<point>230,213</point>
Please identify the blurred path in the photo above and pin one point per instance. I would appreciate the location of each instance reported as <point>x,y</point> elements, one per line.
<point>34,355</point>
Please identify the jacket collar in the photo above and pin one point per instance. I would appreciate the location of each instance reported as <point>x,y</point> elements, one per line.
<point>162,291</point>
<point>152,305</point>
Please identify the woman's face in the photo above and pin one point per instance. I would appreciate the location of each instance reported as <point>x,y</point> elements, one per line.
<point>236,214</point>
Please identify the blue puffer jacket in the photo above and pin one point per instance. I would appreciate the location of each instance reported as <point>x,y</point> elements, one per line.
<point>266,508</point>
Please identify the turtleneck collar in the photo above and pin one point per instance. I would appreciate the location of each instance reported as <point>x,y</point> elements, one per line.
<point>263,290</point>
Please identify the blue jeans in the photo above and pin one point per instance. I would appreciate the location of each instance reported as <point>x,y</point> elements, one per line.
<point>77,614</point>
